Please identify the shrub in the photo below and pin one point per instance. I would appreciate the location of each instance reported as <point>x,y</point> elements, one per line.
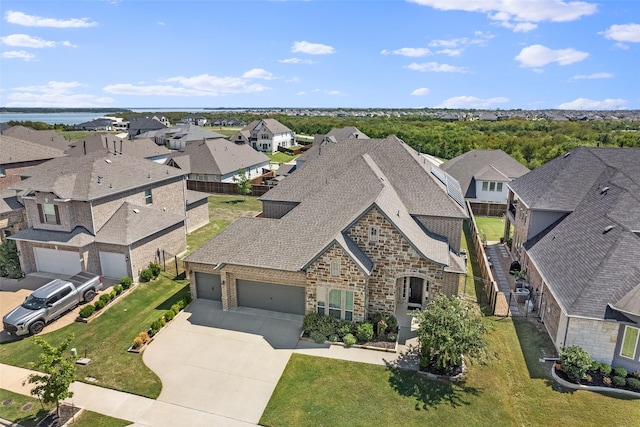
<point>334,338</point>
<point>137,342</point>
<point>144,336</point>
<point>146,275</point>
<point>604,369</point>
<point>588,378</point>
<point>100,304</point>
<point>183,303</point>
<point>619,381</point>
<point>310,322</point>
<point>392,323</point>
<point>113,294</point>
<point>633,383</point>
<point>105,298</point>
<point>126,282</point>
<point>346,328</point>
<point>87,311</point>
<point>595,366</point>
<point>365,331</point>
<point>381,327</point>
<point>118,289</point>
<point>175,308</point>
<point>393,336</point>
<point>187,299</point>
<point>156,326</point>
<point>349,340</point>
<point>162,321</point>
<point>620,372</point>
<point>606,380</point>
<point>155,269</point>
<point>169,315</point>
<point>575,362</point>
<point>318,337</point>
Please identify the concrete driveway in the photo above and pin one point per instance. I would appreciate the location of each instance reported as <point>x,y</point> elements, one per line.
<point>224,364</point>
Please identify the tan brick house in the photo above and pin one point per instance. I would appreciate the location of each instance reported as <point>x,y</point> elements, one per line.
<point>107,213</point>
<point>576,230</point>
<point>364,227</point>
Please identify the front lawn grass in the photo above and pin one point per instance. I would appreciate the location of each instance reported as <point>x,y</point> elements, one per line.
<point>491,226</point>
<point>280,157</point>
<point>93,419</point>
<point>107,338</point>
<point>512,389</point>
<point>13,412</point>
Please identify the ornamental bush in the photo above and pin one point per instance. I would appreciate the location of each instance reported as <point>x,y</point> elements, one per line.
<point>99,305</point>
<point>606,380</point>
<point>155,269</point>
<point>349,340</point>
<point>118,289</point>
<point>633,383</point>
<point>146,275</point>
<point>169,315</point>
<point>620,372</point>
<point>619,381</point>
<point>605,369</point>
<point>137,342</point>
<point>175,308</point>
<point>575,363</point>
<point>365,331</point>
<point>318,337</point>
<point>126,282</point>
<point>87,311</point>
<point>105,298</point>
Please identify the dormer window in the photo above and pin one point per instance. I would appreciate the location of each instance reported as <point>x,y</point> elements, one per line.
<point>373,234</point>
<point>48,213</point>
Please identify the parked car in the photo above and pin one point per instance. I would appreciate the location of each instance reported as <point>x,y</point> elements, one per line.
<point>51,301</point>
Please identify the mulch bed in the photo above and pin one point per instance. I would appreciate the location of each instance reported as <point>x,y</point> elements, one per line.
<point>435,370</point>
<point>380,343</point>
<point>596,380</point>
<point>66,413</point>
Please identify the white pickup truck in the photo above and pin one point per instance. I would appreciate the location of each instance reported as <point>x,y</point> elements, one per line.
<point>51,301</point>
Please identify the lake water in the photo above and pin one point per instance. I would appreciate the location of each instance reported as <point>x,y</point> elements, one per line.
<point>75,118</point>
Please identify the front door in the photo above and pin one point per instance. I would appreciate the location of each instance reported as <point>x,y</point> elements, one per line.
<point>415,291</point>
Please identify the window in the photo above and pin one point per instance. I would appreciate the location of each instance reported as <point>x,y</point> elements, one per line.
<point>335,296</point>
<point>148,198</point>
<point>264,136</point>
<point>485,185</point>
<point>3,172</point>
<point>348,305</point>
<point>373,234</point>
<point>65,292</point>
<point>629,342</point>
<point>340,303</point>
<point>499,186</point>
<point>321,307</point>
<point>335,268</point>
<point>492,186</point>
<point>48,213</point>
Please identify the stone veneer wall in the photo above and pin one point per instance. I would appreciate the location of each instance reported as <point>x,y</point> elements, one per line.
<point>393,257</point>
<point>596,337</point>
<point>451,228</point>
<point>351,279</point>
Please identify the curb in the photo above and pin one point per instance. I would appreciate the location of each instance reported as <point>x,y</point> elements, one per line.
<point>590,387</point>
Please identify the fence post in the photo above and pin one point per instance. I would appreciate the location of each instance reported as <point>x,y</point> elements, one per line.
<point>175,259</point>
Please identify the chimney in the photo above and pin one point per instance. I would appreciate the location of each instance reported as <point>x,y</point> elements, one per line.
<point>84,143</point>
<point>120,146</point>
<point>114,148</point>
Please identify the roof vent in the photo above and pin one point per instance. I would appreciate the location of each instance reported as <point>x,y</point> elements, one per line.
<point>604,190</point>
<point>566,155</point>
<point>607,229</point>
<point>99,179</point>
<point>107,160</point>
<point>136,210</point>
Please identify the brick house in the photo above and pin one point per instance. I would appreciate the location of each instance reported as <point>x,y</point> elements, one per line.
<point>104,213</point>
<point>265,135</point>
<point>576,230</point>
<point>334,136</point>
<point>17,156</point>
<point>365,227</point>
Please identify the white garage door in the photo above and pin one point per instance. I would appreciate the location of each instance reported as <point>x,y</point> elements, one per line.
<point>113,265</point>
<point>55,261</point>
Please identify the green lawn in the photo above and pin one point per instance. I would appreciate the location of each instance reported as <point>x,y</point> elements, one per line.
<point>226,131</point>
<point>512,389</point>
<point>492,226</point>
<point>93,419</point>
<point>108,337</point>
<point>280,158</point>
<point>13,412</point>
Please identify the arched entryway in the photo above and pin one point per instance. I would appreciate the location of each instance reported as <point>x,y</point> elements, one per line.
<point>412,291</point>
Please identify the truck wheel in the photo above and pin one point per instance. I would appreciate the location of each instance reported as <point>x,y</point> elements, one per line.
<point>89,295</point>
<point>36,327</point>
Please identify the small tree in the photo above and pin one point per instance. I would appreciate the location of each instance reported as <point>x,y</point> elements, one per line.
<point>244,183</point>
<point>450,329</point>
<point>575,362</point>
<point>59,373</point>
<point>9,260</point>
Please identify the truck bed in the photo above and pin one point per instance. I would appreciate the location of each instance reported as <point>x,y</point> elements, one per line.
<point>82,278</point>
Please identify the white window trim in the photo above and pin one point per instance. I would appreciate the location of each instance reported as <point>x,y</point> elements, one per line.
<point>635,347</point>
<point>322,302</point>
<point>373,234</point>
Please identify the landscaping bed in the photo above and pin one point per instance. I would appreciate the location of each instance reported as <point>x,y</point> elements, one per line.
<point>595,378</point>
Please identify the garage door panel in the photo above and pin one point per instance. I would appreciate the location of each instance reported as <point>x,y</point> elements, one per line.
<point>208,286</point>
<point>57,261</point>
<point>271,296</point>
<point>113,264</point>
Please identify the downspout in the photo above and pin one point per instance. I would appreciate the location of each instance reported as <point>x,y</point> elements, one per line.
<point>566,332</point>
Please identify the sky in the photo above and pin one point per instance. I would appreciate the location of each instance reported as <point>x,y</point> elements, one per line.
<point>476,54</point>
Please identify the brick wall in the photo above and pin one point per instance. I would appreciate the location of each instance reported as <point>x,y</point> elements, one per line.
<point>596,337</point>
<point>197,215</point>
<point>13,221</point>
<point>451,228</point>
<point>12,172</point>
<point>550,315</point>
<point>173,241</point>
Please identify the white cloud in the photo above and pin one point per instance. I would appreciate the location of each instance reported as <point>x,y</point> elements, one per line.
<point>23,19</point>
<point>293,80</point>
<point>54,94</point>
<point>518,15</point>
<point>18,54</point>
<point>591,76</point>
<point>436,68</point>
<point>421,92</point>
<point>295,60</point>
<point>455,46</point>
<point>161,23</point>
<point>413,52</point>
<point>590,104</point>
<point>257,73</point>
<point>312,48</point>
<point>450,52</point>
<point>332,92</point>
<point>471,102</point>
<point>202,85</point>
<point>538,56</point>
<point>623,33</point>
<point>24,40</point>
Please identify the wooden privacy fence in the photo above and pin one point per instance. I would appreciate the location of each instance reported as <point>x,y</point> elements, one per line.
<point>498,301</point>
<point>488,209</point>
<point>226,187</point>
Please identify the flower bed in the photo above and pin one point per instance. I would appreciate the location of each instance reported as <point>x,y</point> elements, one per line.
<point>106,300</point>
<point>595,380</point>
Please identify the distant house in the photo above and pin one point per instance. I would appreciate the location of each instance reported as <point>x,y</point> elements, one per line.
<point>334,136</point>
<point>18,156</point>
<point>141,125</point>
<point>49,138</point>
<point>265,135</point>
<point>219,160</point>
<point>194,120</point>
<point>227,122</point>
<point>576,232</point>
<point>96,125</point>
<point>179,136</point>
<point>483,176</point>
<point>108,143</point>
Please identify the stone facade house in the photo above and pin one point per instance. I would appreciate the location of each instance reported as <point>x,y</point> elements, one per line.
<point>110,214</point>
<point>365,227</point>
<point>265,135</point>
<point>576,231</point>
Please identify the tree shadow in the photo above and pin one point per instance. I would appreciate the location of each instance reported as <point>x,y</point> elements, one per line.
<point>234,201</point>
<point>166,304</point>
<point>428,393</point>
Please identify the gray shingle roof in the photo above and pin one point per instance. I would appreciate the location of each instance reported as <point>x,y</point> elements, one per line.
<point>194,196</point>
<point>95,175</point>
<point>186,133</point>
<point>78,237</point>
<point>109,143</point>
<point>272,124</point>
<point>486,165</point>
<point>50,138</point>
<point>334,136</point>
<point>131,223</point>
<point>9,201</point>
<point>13,150</point>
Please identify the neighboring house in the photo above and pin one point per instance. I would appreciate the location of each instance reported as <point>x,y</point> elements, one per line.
<point>12,214</point>
<point>194,120</point>
<point>104,213</point>
<point>265,135</point>
<point>17,156</point>
<point>219,160</point>
<point>334,136</point>
<point>141,125</point>
<point>50,138</point>
<point>107,143</point>
<point>96,125</point>
<point>484,174</point>
<point>179,136</point>
<point>228,121</point>
<point>363,228</point>
<point>576,231</point>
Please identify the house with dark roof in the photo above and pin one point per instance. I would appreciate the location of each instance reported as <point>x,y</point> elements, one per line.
<point>17,156</point>
<point>108,143</point>
<point>102,124</point>
<point>227,121</point>
<point>141,125</point>
<point>110,214</point>
<point>179,136</point>
<point>194,119</point>
<point>576,232</point>
<point>334,136</point>
<point>365,227</point>
<point>265,135</point>
<point>483,176</point>
<point>219,160</point>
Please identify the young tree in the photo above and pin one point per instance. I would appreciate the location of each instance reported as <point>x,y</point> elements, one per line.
<point>450,329</point>
<point>59,373</point>
<point>9,261</point>
<point>244,183</point>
